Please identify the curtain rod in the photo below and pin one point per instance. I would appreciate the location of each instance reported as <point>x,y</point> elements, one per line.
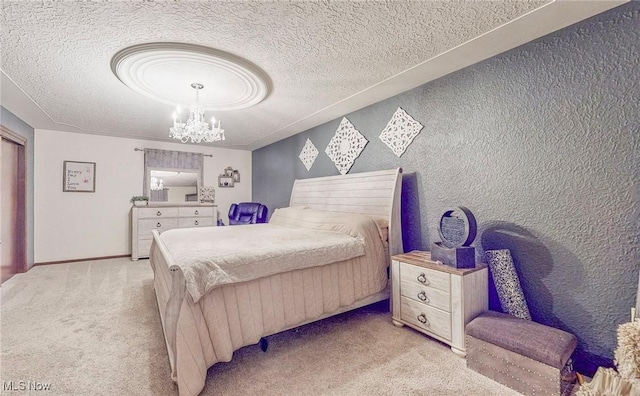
<point>204,155</point>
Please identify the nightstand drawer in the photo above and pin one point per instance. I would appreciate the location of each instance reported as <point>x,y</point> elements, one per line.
<point>424,276</point>
<point>426,295</point>
<point>425,317</point>
<point>157,213</point>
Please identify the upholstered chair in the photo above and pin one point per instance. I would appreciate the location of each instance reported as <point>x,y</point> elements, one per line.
<point>247,213</point>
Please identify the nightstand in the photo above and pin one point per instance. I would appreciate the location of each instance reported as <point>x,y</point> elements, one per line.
<point>436,299</point>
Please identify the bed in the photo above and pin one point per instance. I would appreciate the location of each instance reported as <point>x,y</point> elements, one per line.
<point>222,288</point>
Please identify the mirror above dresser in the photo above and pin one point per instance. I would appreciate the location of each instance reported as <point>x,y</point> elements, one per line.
<point>175,186</point>
<point>172,177</point>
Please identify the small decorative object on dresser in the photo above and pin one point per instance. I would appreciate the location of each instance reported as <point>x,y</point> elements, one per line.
<point>163,218</point>
<point>457,229</point>
<point>207,194</point>
<point>436,299</point>
<point>139,200</point>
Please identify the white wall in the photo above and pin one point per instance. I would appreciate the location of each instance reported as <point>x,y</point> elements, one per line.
<point>72,225</point>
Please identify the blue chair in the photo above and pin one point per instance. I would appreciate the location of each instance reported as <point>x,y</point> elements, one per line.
<point>247,213</point>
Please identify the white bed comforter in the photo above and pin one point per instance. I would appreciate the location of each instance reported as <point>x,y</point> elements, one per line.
<point>293,239</point>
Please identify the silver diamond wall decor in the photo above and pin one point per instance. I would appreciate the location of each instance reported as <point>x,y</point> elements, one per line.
<point>400,131</point>
<point>345,146</point>
<point>308,154</point>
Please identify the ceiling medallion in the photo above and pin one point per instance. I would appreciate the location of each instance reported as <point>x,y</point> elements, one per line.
<point>164,72</point>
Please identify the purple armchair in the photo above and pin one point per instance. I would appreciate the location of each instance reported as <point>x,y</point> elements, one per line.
<point>247,213</point>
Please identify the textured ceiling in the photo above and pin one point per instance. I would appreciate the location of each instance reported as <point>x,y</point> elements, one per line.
<point>324,59</point>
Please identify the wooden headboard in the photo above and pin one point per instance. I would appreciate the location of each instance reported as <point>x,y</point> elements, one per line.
<point>372,193</point>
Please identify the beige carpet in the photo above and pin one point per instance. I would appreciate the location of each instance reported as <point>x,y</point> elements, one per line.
<point>93,328</point>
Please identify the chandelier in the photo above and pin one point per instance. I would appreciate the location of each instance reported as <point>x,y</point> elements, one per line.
<point>196,129</point>
<point>156,184</point>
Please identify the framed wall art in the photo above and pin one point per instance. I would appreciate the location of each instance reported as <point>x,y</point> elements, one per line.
<point>79,176</point>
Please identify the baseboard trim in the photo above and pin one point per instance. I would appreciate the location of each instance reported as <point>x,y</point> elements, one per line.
<point>79,260</point>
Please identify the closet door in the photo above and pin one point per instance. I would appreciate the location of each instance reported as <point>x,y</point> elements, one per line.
<point>12,212</point>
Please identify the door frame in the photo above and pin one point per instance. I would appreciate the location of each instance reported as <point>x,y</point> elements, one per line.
<point>21,226</point>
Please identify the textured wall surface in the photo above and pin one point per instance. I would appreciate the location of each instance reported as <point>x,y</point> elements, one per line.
<point>317,53</point>
<point>542,143</point>
<point>20,127</point>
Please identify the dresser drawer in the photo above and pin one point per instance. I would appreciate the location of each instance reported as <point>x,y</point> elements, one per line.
<point>426,295</point>
<point>425,317</point>
<point>196,211</point>
<point>424,276</point>
<point>155,213</point>
<point>146,225</point>
<point>195,222</point>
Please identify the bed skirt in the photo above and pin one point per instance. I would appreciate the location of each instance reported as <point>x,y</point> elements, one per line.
<point>233,316</point>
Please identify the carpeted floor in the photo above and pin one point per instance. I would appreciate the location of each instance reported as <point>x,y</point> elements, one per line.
<point>93,328</point>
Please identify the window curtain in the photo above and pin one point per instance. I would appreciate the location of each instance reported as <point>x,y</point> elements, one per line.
<point>154,158</point>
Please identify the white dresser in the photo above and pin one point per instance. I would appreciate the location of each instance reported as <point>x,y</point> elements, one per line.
<point>144,219</point>
<point>436,299</point>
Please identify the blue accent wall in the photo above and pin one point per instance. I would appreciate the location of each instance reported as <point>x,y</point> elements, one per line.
<point>18,126</point>
<point>542,144</point>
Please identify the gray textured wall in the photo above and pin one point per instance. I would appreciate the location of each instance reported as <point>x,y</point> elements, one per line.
<point>20,127</point>
<point>542,143</point>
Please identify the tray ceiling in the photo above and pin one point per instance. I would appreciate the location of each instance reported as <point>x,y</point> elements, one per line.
<point>323,59</point>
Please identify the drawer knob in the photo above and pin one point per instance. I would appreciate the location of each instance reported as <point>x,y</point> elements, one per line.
<point>422,296</point>
<point>158,225</point>
<point>158,213</point>
<point>422,319</point>
<point>196,222</point>
<point>422,278</point>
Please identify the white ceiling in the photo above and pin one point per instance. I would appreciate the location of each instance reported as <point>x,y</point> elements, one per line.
<point>324,59</point>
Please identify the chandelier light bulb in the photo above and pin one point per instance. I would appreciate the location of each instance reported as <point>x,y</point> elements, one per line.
<point>156,185</point>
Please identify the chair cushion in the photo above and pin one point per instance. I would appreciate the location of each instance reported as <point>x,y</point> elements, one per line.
<point>545,344</point>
